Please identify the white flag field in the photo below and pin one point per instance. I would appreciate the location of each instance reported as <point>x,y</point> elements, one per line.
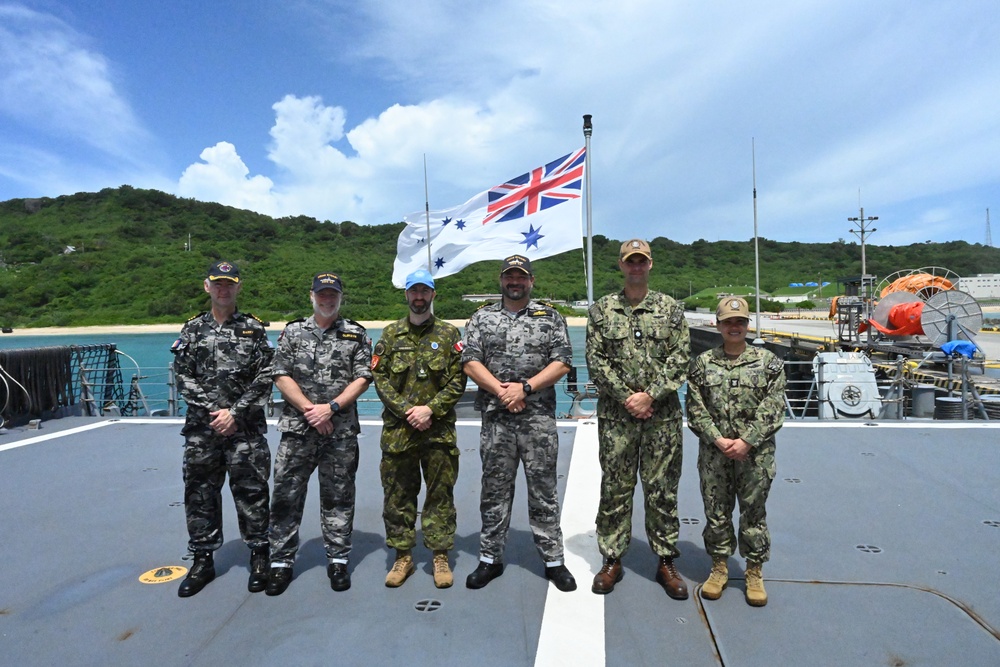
<point>537,214</point>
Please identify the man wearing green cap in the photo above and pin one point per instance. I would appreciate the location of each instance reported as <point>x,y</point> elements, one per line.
<point>417,366</point>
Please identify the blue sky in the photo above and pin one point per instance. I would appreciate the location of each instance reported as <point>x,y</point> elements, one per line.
<point>326,108</point>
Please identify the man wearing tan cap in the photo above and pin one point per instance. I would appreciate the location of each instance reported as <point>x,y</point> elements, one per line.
<point>637,353</point>
<point>735,405</point>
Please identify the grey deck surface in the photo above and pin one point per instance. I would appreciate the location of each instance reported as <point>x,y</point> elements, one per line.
<point>885,543</point>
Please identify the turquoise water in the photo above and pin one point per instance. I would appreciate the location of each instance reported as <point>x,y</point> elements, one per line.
<point>148,357</point>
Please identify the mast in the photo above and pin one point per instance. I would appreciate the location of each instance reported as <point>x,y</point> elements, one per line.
<point>756,251</point>
<point>588,129</point>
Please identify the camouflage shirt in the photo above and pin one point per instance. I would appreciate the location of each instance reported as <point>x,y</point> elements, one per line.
<point>224,366</point>
<point>418,365</point>
<point>645,348</point>
<point>736,398</point>
<point>323,362</point>
<point>516,346</point>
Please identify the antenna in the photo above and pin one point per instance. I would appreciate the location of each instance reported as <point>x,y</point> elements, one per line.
<point>989,237</point>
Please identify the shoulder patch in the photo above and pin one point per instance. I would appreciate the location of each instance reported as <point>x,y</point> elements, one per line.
<point>350,321</point>
<point>379,349</point>
<point>178,346</point>
<point>301,319</point>
<point>194,317</point>
<point>263,323</point>
<point>459,346</point>
<point>488,303</point>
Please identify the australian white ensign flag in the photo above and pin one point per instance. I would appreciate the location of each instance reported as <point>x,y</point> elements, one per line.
<point>537,214</point>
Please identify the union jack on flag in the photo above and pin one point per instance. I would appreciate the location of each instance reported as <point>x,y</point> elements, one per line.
<point>537,190</point>
<point>535,225</point>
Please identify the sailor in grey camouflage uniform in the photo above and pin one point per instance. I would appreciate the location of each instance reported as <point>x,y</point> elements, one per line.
<point>222,362</point>
<point>322,366</point>
<point>516,350</point>
<point>638,348</point>
<point>736,404</point>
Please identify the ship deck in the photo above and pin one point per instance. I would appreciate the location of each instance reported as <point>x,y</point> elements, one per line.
<point>884,553</point>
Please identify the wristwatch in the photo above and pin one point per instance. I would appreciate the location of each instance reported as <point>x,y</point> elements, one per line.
<point>334,407</point>
<point>527,388</point>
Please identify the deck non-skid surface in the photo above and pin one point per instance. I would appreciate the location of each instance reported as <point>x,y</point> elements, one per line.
<point>884,553</point>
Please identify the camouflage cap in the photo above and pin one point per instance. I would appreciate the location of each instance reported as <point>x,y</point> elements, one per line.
<point>327,281</point>
<point>635,247</point>
<point>223,271</point>
<point>519,262</point>
<point>732,306</point>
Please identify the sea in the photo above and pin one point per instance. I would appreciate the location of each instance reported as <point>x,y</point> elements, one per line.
<point>146,357</point>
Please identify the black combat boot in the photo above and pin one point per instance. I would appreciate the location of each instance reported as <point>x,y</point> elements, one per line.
<point>201,573</point>
<point>260,565</point>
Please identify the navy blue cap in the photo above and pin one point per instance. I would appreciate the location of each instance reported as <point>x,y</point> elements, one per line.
<point>327,281</point>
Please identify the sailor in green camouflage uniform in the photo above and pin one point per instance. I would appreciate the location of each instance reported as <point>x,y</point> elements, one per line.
<point>221,361</point>
<point>417,366</point>
<point>637,354</point>
<point>515,351</point>
<point>736,404</point>
<point>322,366</point>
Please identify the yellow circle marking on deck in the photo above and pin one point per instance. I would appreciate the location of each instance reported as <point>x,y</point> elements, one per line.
<point>162,575</point>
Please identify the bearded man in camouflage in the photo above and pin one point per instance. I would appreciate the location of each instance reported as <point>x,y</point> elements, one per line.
<point>322,366</point>
<point>638,348</point>
<point>736,404</point>
<point>516,350</point>
<point>222,363</point>
<point>417,366</point>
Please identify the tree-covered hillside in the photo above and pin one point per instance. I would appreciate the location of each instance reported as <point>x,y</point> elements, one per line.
<point>121,256</point>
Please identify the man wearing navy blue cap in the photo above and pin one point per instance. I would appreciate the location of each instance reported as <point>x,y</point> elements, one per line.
<point>417,366</point>
<point>322,366</point>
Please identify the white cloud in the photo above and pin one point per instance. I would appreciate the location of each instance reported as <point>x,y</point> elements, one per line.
<point>223,177</point>
<point>52,80</point>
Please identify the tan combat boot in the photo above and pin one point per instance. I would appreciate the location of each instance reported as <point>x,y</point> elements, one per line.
<point>756,595</point>
<point>718,579</point>
<point>442,570</point>
<point>401,570</point>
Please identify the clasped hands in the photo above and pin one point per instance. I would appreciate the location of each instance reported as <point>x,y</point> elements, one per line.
<point>737,449</point>
<point>512,396</point>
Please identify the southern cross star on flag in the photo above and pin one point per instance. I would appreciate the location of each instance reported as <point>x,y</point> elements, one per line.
<point>537,214</point>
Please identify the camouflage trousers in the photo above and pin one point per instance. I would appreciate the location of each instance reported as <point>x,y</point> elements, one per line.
<point>337,460</point>
<point>208,456</point>
<point>653,448</point>
<point>401,485</point>
<point>723,482</point>
<point>506,440</point>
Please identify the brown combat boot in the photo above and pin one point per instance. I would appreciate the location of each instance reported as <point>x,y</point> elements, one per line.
<point>756,595</point>
<point>401,570</point>
<point>610,574</point>
<point>442,570</point>
<point>666,576</point>
<point>718,579</point>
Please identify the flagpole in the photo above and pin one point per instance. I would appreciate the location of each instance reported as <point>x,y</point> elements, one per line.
<point>427,215</point>
<point>756,252</point>
<point>588,129</point>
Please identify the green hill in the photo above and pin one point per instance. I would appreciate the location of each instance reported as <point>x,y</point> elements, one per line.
<point>121,256</point>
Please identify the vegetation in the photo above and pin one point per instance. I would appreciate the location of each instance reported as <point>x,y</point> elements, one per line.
<point>121,256</point>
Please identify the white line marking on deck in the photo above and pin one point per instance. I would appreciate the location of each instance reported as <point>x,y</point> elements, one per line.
<point>57,434</point>
<point>572,631</point>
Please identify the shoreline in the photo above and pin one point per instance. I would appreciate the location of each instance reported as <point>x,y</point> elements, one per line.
<point>274,327</point>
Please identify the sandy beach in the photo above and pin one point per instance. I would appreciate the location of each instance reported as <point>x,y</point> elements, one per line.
<point>175,328</point>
